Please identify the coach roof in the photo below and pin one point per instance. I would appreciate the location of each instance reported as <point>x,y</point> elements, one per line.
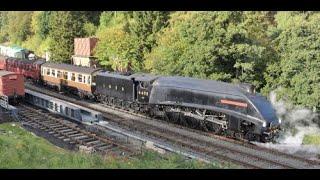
<point>4,73</point>
<point>69,67</point>
<point>37,61</point>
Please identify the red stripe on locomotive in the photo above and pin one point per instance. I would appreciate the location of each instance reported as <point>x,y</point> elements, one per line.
<point>236,103</point>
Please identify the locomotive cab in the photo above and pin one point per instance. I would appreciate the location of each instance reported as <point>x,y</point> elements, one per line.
<point>143,87</point>
<point>143,91</point>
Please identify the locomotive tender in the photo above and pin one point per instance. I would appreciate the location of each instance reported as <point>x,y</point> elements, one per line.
<point>234,110</point>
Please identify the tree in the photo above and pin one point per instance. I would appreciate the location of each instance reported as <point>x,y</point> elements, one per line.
<point>298,71</point>
<point>214,45</point>
<point>19,26</point>
<point>40,23</point>
<point>3,25</point>
<point>91,17</point>
<point>64,27</point>
<point>115,48</point>
<point>144,27</point>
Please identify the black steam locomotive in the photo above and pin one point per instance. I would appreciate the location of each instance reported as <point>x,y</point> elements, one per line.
<point>233,110</point>
<point>223,108</point>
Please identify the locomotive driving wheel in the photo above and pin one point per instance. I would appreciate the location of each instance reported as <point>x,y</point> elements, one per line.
<point>238,135</point>
<point>217,128</point>
<point>250,136</point>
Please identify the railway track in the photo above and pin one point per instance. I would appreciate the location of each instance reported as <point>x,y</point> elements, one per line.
<point>69,132</point>
<point>216,148</point>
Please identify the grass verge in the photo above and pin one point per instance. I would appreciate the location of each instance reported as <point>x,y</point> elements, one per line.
<point>22,149</point>
<point>312,139</point>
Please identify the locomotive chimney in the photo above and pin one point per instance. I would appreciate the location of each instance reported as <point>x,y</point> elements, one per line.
<point>248,87</point>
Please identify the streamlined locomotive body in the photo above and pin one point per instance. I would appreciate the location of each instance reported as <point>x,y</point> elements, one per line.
<point>218,106</point>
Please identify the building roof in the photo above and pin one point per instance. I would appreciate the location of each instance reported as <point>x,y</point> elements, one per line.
<point>4,73</point>
<point>69,67</point>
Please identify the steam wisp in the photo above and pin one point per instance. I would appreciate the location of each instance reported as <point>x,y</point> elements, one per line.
<point>296,123</point>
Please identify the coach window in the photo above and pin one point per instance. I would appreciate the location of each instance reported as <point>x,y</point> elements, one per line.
<point>94,78</point>
<point>48,72</point>
<point>84,79</point>
<point>79,77</point>
<point>53,72</point>
<point>36,100</point>
<point>65,75</point>
<point>58,74</point>
<point>66,111</point>
<point>42,102</point>
<point>51,105</point>
<point>89,79</point>
<point>73,77</point>
<point>72,113</point>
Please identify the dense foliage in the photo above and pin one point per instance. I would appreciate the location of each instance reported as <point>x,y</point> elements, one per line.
<point>272,50</point>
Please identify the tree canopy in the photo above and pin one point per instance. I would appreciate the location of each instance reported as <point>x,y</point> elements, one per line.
<point>272,50</point>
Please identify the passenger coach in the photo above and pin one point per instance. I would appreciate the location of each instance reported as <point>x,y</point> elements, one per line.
<point>80,80</point>
<point>29,68</point>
